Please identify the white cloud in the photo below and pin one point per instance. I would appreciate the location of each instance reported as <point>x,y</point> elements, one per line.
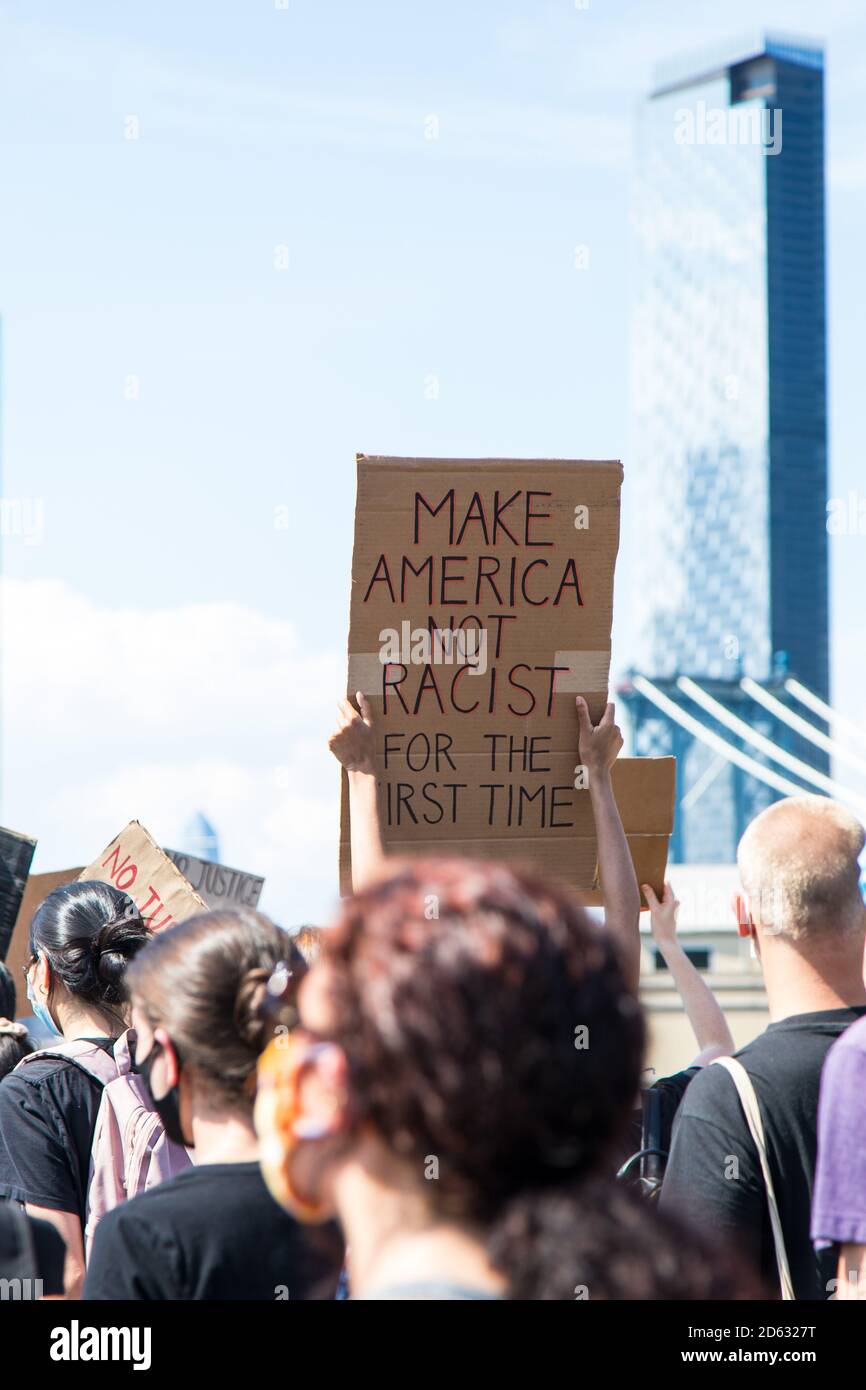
<point>110,714</point>
<point>199,670</point>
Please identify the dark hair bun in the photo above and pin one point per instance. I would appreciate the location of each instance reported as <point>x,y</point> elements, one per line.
<point>206,983</point>
<point>118,942</point>
<point>89,932</point>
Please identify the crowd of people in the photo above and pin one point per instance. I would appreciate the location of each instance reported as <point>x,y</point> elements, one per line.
<point>432,1097</point>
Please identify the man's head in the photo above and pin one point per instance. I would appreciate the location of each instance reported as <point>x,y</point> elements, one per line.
<point>800,876</point>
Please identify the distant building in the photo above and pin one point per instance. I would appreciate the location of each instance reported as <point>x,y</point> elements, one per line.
<point>729,408</point>
<point>200,838</point>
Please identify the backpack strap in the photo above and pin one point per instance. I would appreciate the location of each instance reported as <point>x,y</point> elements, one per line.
<point>123,1052</point>
<point>89,1057</point>
<point>752,1112</point>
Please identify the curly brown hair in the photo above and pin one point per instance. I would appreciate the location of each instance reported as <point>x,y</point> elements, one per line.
<point>602,1242</point>
<point>487,1024</point>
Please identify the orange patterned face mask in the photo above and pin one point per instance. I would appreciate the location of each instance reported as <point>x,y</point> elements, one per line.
<point>279,1122</point>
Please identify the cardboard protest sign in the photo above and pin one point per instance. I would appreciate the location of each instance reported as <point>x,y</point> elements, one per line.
<point>36,891</point>
<point>135,863</point>
<point>482,602</point>
<point>16,856</point>
<point>218,885</point>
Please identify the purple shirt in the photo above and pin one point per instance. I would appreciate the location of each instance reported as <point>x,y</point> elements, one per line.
<point>839,1199</point>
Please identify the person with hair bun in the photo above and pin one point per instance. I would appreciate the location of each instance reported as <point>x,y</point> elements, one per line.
<point>14,1041</point>
<point>82,939</point>
<point>466,1061</point>
<point>203,1007</point>
<point>439,1071</point>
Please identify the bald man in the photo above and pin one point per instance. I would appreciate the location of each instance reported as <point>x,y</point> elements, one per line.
<point>802,907</point>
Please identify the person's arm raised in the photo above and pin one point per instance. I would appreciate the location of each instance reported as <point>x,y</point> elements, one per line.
<point>353,744</point>
<point>597,750</point>
<point>704,1014</point>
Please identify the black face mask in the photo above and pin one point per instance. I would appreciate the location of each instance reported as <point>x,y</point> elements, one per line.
<point>168,1106</point>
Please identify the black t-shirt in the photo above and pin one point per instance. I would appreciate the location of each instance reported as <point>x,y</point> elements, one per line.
<point>35,1253</point>
<point>713,1177</point>
<point>50,1250</point>
<point>212,1232</point>
<point>47,1117</point>
<point>674,1087</point>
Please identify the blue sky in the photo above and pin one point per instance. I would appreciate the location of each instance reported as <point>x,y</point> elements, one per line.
<point>150,267</point>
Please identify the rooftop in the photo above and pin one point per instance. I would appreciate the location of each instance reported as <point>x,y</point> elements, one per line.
<point>683,70</point>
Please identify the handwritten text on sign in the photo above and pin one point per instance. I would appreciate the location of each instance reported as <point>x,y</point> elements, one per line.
<point>482,600</point>
<point>123,873</point>
<point>498,582</point>
<point>134,863</point>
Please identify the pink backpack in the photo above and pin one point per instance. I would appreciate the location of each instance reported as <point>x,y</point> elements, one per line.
<point>130,1151</point>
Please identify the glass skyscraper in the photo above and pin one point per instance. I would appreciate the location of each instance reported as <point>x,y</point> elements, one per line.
<point>729,438</point>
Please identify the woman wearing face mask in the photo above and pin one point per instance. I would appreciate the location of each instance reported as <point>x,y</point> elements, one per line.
<point>458,1081</point>
<point>199,996</point>
<point>82,939</point>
